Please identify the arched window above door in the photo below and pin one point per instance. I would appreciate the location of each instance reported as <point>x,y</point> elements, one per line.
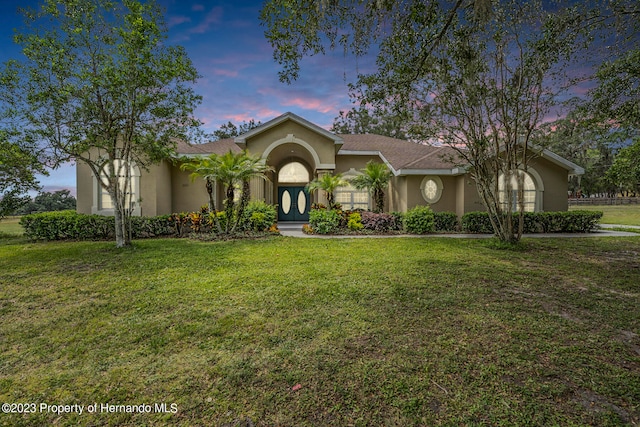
<point>293,173</point>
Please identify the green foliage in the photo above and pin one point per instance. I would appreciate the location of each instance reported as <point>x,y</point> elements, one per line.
<point>363,120</point>
<point>616,96</point>
<point>476,222</point>
<point>19,165</point>
<point>99,76</point>
<point>419,220</point>
<point>231,169</point>
<point>536,222</point>
<point>69,225</point>
<point>475,78</point>
<point>259,216</point>
<point>324,221</point>
<point>569,222</point>
<point>230,130</point>
<point>375,178</point>
<point>355,222</point>
<point>587,144</point>
<point>445,221</point>
<point>61,200</point>
<point>625,170</point>
<point>328,183</point>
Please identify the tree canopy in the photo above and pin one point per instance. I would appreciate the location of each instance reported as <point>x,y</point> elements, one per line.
<point>229,129</point>
<point>99,84</point>
<point>478,75</point>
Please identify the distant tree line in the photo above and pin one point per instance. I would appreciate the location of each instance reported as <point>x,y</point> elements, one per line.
<point>60,200</point>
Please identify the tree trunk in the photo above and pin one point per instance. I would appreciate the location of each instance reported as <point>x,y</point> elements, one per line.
<point>228,209</point>
<point>123,238</point>
<point>244,201</point>
<point>378,196</point>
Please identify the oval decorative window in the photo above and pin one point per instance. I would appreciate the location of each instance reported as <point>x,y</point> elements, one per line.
<point>431,187</point>
<point>302,202</point>
<point>286,202</point>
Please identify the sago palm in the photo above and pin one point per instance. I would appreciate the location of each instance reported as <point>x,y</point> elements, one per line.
<point>375,178</point>
<point>329,184</point>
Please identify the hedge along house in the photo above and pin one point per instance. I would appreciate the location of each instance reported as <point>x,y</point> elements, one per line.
<point>299,151</point>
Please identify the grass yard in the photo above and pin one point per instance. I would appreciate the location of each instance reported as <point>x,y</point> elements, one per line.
<point>10,227</point>
<point>621,214</point>
<point>314,332</point>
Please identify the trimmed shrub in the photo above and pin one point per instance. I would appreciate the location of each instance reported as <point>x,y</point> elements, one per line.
<point>476,222</point>
<point>153,226</point>
<point>536,222</point>
<point>63,225</point>
<point>445,221</point>
<point>355,222</point>
<point>569,222</point>
<point>398,221</point>
<point>324,221</point>
<point>69,225</point>
<point>258,216</point>
<point>380,222</point>
<point>419,220</point>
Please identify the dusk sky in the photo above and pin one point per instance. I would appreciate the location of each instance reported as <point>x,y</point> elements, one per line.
<point>239,79</point>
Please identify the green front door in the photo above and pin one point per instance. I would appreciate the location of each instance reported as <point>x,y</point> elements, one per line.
<point>293,204</point>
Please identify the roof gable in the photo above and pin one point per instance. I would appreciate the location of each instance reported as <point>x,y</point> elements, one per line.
<point>242,139</point>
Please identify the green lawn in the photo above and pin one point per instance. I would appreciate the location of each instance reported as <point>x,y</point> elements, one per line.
<point>622,214</point>
<point>10,227</point>
<point>314,332</point>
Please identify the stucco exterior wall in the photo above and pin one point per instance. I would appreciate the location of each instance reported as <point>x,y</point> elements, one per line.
<point>447,202</point>
<point>467,198</point>
<point>345,163</point>
<point>187,196</point>
<point>556,180</point>
<point>84,188</point>
<point>155,190</point>
<point>397,195</point>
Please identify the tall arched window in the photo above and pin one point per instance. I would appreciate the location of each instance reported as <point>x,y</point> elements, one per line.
<point>530,193</point>
<point>102,203</point>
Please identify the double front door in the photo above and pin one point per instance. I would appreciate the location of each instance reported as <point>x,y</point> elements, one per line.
<point>293,204</point>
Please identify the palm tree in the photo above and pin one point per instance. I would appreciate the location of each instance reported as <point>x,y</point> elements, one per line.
<point>251,166</point>
<point>230,169</point>
<point>206,168</point>
<point>375,177</point>
<point>328,183</point>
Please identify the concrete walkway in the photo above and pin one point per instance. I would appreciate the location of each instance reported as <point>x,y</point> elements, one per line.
<point>294,229</point>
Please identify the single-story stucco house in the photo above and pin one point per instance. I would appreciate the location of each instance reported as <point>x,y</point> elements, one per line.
<point>300,151</point>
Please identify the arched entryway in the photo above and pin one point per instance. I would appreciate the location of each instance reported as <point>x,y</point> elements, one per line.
<point>293,199</point>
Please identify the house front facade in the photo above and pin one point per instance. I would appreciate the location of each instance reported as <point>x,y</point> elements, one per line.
<point>299,151</point>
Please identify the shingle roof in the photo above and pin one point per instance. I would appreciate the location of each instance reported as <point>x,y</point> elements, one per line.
<point>400,154</point>
<point>397,153</point>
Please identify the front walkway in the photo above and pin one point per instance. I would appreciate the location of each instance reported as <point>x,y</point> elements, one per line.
<point>294,229</point>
